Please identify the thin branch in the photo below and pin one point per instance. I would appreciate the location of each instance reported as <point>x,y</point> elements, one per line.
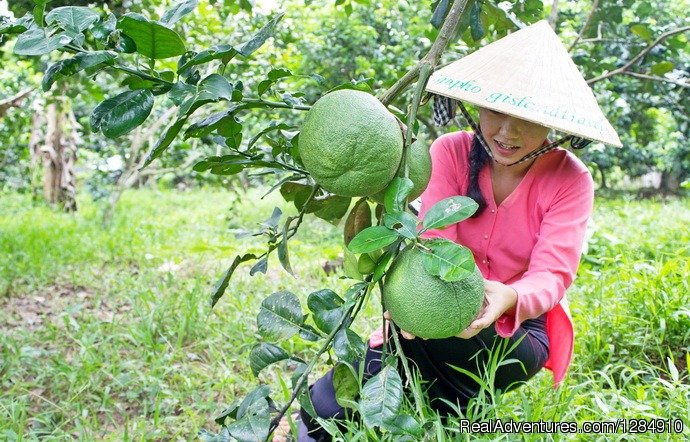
<point>654,78</point>
<point>553,15</point>
<point>449,28</point>
<point>595,5</point>
<point>623,69</point>
<point>13,101</point>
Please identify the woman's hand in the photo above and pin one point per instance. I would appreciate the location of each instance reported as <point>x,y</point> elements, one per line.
<point>406,335</point>
<point>498,299</point>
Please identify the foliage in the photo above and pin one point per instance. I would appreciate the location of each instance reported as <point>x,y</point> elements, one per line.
<point>127,348</point>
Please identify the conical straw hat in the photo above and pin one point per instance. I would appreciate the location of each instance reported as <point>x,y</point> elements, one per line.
<point>528,74</point>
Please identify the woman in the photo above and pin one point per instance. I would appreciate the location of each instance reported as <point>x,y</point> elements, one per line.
<point>534,203</point>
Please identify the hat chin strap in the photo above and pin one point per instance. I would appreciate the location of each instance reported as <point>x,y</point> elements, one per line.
<point>575,142</point>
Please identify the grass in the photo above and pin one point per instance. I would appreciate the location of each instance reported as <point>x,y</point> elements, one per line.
<point>107,335</point>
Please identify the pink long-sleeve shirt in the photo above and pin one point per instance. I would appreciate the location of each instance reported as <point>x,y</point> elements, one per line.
<point>531,242</point>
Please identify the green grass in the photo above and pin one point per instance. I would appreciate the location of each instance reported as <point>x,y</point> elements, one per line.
<point>107,335</point>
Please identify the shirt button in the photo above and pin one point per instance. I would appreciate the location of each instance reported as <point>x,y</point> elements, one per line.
<point>483,261</point>
<point>493,210</point>
<point>486,236</point>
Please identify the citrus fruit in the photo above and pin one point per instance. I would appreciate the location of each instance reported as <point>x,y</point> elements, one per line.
<point>350,143</point>
<point>425,305</point>
<point>419,160</point>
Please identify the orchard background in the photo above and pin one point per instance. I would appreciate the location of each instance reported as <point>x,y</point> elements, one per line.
<point>139,185</point>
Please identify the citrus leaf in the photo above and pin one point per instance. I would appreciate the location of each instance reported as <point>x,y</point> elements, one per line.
<point>71,66</point>
<point>404,424</point>
<point>309,333</point>
<point>283,256</point>
<point>346,384</point>
<point>224,52</point>
<point>348,346</point>
<point>292,191</point>
<point>642,31</point>
<point>223,282</point>
<point>229,412</point>
<point>273,127</point>
<point>449,211</point>
<point>72,18</point>
<point>254,424</point>
<point>440,12</point>
<point>396,193</point>
<point>122,113</point>
<point>152,39</point>
<point>263,355</point>
<point>448,260</point>
<point>331,209</point>
<point>165,141</point>
<point>280,316</point>
<point>402,222</point>
<point>372,238</point>
<point>662,68</point>
<point>211,89</point>
<point>326,308</point>
<point>37,42</point>
<point>476,28</point>
<point>258,39</point>
<point>15,27</point>
<point>381,266</point>
<point>174,14</point>
<point>350,265</point>
<point>273,76</point>
<point>381,398</point>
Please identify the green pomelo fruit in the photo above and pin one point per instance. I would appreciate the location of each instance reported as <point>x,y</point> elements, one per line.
<point>350,143</point>
<point>419,160</point>
<point>427,306</point>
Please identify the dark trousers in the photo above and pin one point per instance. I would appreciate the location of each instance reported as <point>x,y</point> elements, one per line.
<point>433,359</point>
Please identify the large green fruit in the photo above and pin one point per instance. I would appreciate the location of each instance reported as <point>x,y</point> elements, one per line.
<point>419,161</point>
<point>425,305</point>
<point>350,143</point>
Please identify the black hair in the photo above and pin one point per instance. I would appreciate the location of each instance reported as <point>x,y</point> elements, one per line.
<point>478,159</point>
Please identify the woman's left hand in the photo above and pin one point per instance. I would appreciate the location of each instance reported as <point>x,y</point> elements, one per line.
<point>498,298</point>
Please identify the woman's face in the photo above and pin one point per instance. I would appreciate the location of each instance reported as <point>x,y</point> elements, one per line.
<point>510,138</point>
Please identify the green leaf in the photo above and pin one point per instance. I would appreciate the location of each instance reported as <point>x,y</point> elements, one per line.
<point>37,41</point>
<point>283,256</point>
<point>229,412</point>
<point>211,89</point>
<point>174,14</point>
<point>372,238</point>
<point>448,260</point>
<point>72,18</point>
<point>153,40</point>
<point>381,398</point>
<point>346,384</point>
<point>254,425</point>
<point>396,193</point>
<point>404,424</point>
<point>350,265</point>
<point>449,211</point>
<point>263,355</point>
<point>327,309</point>
<point>440,12</point>
<point>165,141</point>
<point>223,52</point>
<point>122,113</point>
<point>223,282</point>
<point>261,266</point>
<point>381,266</point>
<point>476,28</point>
<point>272,128</point>
<point>228,164</point>
<point>71,66</point>
<point>258,39</point>
<point>102,29</point>
<point>662,68</point>
<point>280,316</point>
<point>180,92</point>
<point>331,209</point>
<point>273,76</point>
<point>642,31</point>
<point>402,222</point>
<point>348,346</point>
<point>15,27</point>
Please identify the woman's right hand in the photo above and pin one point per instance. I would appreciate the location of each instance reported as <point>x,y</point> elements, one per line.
<point>405,334</point>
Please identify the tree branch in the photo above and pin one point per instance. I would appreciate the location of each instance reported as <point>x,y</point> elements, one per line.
<point>595,5</point>
<point>450,26</point>
<point>623,69</point>
<point>553,15</point>
<point>654,78</point>
<point>13,101</point>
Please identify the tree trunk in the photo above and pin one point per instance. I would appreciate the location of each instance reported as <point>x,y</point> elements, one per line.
<point>59,156</point>
<point>670,183</point>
